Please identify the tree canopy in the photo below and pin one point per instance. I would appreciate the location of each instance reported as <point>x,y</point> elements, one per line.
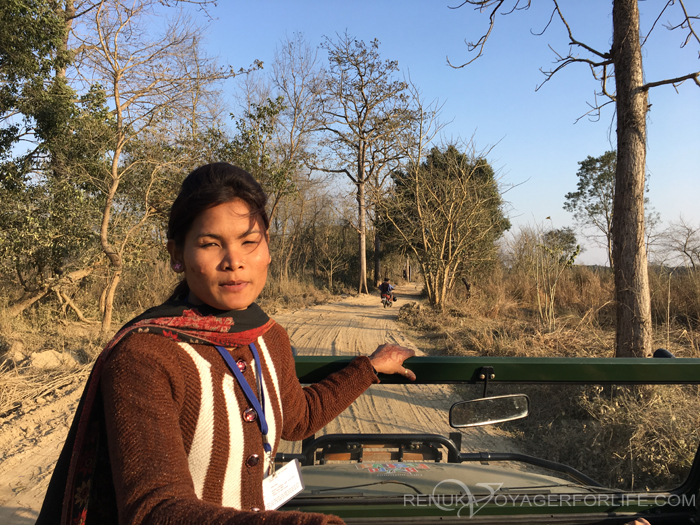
<point>448,211</point>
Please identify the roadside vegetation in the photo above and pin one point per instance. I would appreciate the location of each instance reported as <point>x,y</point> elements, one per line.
<point>626,437</point>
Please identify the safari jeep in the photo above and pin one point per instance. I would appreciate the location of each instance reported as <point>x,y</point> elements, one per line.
<point>433,478</point>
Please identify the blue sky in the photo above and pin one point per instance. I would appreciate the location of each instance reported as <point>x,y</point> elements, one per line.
<point>494,99</point>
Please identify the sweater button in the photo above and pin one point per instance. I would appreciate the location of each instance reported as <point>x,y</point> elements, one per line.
<point>252,460</point>
<point>255,509</point>
<point>241,365</point>
<point>250,415</point>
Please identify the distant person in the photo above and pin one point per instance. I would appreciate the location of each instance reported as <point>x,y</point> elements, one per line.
<point>387,289</point>
<point>184,410</point>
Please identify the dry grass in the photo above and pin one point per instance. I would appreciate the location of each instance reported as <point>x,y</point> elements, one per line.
<point>289,294</point>
<point>24,385</point>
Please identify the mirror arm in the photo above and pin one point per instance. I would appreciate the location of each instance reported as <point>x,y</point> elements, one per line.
<point>486,373</point>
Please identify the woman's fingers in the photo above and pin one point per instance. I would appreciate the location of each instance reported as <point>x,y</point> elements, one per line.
<point>388,359</point>
<point>409,374</point>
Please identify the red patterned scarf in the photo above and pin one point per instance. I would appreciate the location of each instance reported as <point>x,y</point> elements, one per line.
<point>81,489</point>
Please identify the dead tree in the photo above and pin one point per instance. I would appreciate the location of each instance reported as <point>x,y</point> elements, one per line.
<point>365,106</point>
<point>623,62</point>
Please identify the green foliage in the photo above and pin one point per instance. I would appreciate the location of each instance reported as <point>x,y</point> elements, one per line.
<point>449,212</point>
<point>555,252</point>
<point>560,244</point>
<point>31,37</point>
<point>48,197</point>
<point>253,147</point>
<point>592,202</point>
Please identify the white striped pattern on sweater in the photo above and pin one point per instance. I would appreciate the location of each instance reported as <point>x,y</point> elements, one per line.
<point>199,458</point>
<point>271,426</point>
<point>203,441</point>
<point>231,494</point>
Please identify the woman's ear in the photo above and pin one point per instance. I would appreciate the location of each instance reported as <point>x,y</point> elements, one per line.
<point>267,238</point>
<point>175,257</point>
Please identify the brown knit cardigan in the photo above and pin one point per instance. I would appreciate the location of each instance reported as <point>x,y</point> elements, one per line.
<point>159,435</point>
<point>179,448</point>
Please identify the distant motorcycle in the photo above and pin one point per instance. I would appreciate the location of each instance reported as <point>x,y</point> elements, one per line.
<point>386,290</point>
<point>388,299</point>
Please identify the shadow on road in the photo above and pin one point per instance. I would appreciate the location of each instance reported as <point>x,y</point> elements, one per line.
<point>18,516</point>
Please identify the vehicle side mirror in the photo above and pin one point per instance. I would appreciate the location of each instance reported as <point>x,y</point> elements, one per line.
<point>489,410</point>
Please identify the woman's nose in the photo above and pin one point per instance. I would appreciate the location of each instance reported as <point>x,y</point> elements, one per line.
<point>233,260</point>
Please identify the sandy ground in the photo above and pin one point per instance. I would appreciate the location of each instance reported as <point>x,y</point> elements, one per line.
<point>31,440</point>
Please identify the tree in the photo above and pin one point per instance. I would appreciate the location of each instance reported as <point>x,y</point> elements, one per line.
<point>683,239</point>
<point>31,37</point>
<point>47,217</point>
<point>592,201</point>
<point>365,107</point>
<point>447,210</point>
<point>623,63</point>
<point>48,132</point>
<point>555,252</point>
<point>326,237</point>
<point>253,149</point>
<point>150,80</point>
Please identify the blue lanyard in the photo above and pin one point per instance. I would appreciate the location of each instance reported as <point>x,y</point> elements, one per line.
<point>258,406</point>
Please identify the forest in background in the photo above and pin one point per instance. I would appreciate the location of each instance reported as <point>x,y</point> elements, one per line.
<point>105,106</point>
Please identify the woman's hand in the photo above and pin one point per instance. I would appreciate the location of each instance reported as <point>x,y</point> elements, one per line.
<point>388,359</point>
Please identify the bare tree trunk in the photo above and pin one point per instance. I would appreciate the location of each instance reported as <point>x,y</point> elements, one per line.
<point>33,296</point>
<point>362,288</point>
<point>112,254</point>
<point>26,301</point>
<point>377,268</point>
<point>288,257</point>
<point>109,302</point>
<point>78,312</point>
<point>634,337</point>
<point>68,14</point>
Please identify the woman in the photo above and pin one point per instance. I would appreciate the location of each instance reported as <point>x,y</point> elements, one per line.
<point>166,431</point>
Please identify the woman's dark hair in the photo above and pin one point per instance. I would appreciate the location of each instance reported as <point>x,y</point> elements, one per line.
<point>209,186</point>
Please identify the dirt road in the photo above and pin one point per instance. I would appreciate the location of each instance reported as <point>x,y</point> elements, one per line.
<point>356,326</point>
<point>31,441</point>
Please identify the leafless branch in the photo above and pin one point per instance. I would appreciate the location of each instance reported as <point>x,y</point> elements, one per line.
<point>655,21</point>
<point>675,81</point>
<point>595,110</point>
<point>687,20</point>
<point>573,41</point>
<point>481,6</point>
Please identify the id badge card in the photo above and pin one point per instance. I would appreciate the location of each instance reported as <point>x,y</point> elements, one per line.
<point>283,485</point>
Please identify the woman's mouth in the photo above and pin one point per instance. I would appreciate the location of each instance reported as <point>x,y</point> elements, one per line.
<point>234,286</point>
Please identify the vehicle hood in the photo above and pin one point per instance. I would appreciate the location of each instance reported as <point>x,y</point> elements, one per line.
<point>395,479</point>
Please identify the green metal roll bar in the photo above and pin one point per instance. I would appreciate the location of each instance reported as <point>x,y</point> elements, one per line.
<point>473,370</point>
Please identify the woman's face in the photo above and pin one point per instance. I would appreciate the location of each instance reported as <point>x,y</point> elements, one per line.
<point>225,257</point>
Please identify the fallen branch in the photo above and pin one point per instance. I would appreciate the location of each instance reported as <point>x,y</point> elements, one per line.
<point>77,311</point>
<point>33,297</point>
